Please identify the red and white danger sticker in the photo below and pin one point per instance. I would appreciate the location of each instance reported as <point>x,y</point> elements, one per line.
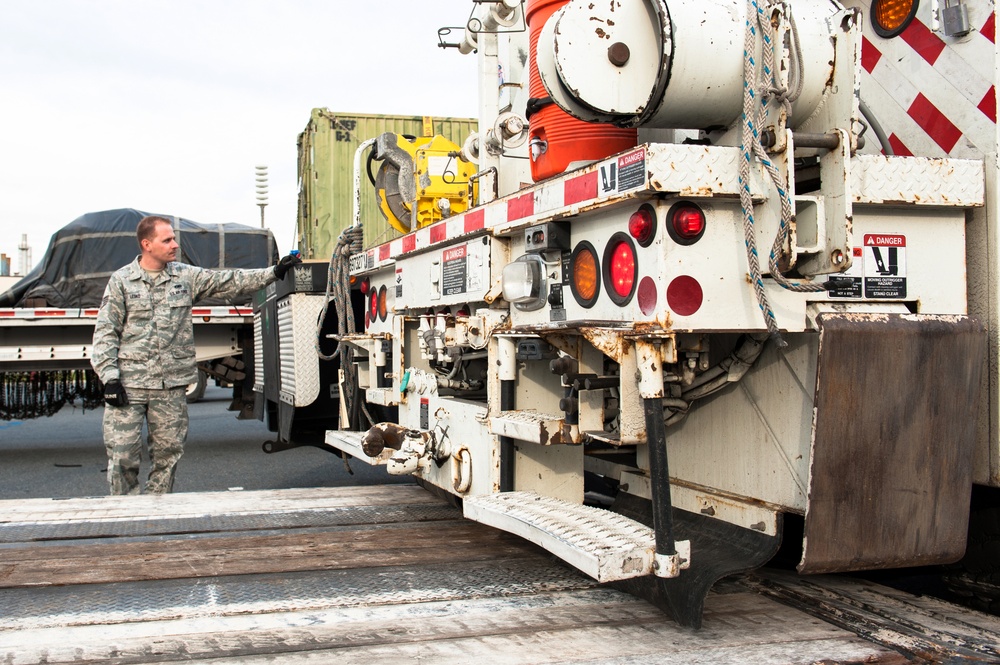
<point>885,265</point>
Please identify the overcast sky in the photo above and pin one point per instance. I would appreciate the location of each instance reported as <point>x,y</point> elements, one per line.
<point>167,106</point>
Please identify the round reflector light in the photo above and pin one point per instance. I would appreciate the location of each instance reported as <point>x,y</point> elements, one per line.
<point>685,223</point>
<point>621,270</point>
<point>642,225</point>
<point>684,295</point>
<point>584,274</point>
<point>383,307</point>
<point>646,296</point>
<point>891,17</point>
<point>365,285</point>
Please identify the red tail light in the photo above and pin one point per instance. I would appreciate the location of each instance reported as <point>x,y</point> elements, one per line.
<point>686,223</point>
<point>373,304</point>
<point>621,270</point>
<point>365,285</point>
<point>642,225</point>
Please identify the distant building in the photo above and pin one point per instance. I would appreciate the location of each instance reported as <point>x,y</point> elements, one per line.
<point>24,249</point>
<point>4,265</point>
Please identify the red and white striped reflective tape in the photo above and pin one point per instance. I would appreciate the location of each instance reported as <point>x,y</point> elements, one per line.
<point>53,313</point>
<point>564,193</point>
<point>943,90</point>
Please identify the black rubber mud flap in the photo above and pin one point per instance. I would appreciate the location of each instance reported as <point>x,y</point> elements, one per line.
<point>893,436</point>
<point>718,549</point>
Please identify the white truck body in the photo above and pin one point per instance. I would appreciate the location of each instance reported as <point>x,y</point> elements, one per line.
<point>798,390</point>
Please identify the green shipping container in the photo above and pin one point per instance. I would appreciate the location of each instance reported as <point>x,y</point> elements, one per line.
<point>326,173</point>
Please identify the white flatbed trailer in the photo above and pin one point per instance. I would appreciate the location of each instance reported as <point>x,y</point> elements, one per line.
<point>354,575</point>
<point>54,338</point>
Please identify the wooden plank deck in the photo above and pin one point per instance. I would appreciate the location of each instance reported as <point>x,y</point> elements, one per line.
<point>357,574</point>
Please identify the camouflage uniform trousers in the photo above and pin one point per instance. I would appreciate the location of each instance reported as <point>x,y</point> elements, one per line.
<point>166,415</point>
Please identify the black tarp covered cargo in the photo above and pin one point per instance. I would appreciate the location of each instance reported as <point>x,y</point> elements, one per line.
<point>82,255</point>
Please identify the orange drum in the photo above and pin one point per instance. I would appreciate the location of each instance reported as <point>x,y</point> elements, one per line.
<point>568,143</point>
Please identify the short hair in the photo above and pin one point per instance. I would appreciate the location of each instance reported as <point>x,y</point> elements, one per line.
<point>146,227</point>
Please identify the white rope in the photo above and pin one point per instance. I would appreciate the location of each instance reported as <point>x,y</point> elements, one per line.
<point>755,100</point>
<point>748,138</point>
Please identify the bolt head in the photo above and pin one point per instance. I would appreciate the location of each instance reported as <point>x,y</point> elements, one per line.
<point>618,54</point>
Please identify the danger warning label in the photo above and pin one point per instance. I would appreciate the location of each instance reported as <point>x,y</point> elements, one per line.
<point>623,173</point>
<point>885,265</point>
<point>454,270</point>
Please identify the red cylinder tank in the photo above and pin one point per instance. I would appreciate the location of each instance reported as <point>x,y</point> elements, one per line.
<point>569,143</point>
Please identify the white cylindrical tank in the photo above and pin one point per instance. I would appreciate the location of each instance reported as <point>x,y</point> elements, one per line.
<point>676,65</point>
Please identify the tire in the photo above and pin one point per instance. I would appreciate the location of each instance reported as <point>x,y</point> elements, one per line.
<point>196,390</point>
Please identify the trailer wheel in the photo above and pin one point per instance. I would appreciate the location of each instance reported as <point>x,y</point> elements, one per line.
<point>196,390</point>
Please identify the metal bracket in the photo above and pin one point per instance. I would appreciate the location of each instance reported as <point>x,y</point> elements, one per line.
<point>671,565</point>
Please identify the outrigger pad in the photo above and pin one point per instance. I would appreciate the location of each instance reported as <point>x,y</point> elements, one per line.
<point>894,432</point>
<point>718,549</point>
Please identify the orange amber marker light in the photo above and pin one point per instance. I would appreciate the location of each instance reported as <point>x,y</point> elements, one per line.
<point>891,17</point>
<point>383,309</point>
<point>585,275</point>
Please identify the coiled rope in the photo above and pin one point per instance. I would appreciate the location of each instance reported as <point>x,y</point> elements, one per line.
<point>338,290</point>
<point>756,96</point>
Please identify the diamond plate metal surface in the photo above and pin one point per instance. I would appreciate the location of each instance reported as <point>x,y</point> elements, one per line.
<point>605,545</point>
<point>15,532</point>
<point>297,318</point>
<point>917,180</point>
<point>258,353</point>
<point>698,170</point>
<point>257,594</point>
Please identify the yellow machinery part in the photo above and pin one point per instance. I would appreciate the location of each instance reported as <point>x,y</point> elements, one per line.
<point>421,180</point>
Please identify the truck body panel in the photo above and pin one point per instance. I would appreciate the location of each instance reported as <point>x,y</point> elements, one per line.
<point>936,95</point>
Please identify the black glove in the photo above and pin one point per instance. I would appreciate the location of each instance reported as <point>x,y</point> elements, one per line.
<point>114,393</point>
<point>286,263</point>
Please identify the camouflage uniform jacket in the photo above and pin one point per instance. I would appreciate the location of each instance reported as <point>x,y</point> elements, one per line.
<point>144,334</point>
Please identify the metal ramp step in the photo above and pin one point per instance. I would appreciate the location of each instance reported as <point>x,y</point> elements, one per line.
<point>605,545</point>
<point>545,429</point>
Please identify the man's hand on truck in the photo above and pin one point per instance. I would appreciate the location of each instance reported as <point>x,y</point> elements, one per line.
<point>286,263</point>
<point>114,393</point>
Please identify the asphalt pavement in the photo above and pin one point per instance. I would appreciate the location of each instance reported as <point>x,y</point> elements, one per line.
<point>63,456</point>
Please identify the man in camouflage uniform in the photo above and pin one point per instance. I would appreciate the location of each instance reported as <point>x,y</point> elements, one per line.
<point>144,351</point>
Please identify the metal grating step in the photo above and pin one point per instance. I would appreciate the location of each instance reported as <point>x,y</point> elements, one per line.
<point>605,545</point>
<point>542,428</point>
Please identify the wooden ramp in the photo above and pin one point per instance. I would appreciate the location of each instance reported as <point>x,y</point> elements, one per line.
<point>348,575</point>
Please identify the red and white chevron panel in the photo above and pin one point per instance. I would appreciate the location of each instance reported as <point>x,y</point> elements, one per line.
<point>934,95</point>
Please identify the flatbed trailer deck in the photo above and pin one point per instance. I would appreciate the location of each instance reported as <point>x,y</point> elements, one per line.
<point>54,338</point>
<point>354,574</point>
